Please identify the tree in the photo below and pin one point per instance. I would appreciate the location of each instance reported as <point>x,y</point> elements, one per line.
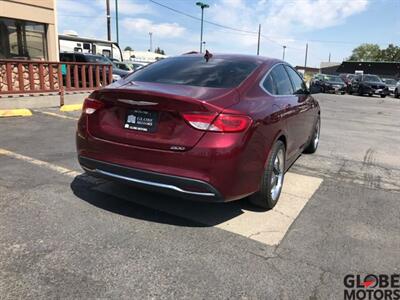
<point>128,48</point>
<point>391,53</point>
<point>159,51</point>
<point>372,52</point>
<point>366,52</point>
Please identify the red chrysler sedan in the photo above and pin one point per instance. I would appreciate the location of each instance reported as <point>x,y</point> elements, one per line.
<point>215,128</point>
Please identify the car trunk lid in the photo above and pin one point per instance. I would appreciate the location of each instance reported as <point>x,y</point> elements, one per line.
<point>150,115</point>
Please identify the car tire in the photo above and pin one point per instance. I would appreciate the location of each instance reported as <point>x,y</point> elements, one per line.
<point>272,178</point>
<point>396,93</point>
<point>370,94</point>
<point>314,141</point>
<point>383,96</point>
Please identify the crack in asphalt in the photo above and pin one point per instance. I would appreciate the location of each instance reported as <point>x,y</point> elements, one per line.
<point>364,173</point>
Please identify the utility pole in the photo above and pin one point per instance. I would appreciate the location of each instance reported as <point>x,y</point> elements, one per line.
<point>259,36</point>
<point>202,6</point>
<point>151,41</point>
<point>283,55</point>
<point>329,57</point>
<point>108,20</point>
<point>305,59</point>
<point>116,20</point>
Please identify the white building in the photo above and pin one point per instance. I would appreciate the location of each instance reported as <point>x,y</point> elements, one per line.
<point>143,56</point>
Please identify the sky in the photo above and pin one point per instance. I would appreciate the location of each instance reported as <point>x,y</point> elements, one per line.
<point>332,27</point>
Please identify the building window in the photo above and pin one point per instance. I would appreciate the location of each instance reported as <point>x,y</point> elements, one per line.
<point>21,39</point>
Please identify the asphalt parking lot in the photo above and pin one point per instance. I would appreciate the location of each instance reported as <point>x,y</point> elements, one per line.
<point>66,235</point>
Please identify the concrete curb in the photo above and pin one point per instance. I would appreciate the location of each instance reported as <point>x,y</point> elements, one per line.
<point>15,113</point>
<point>71,107</point>
<point>40,101</point>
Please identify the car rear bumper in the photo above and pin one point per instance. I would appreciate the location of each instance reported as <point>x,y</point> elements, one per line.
<point>381,92</point>
<point>231,165</point>
<point>332,89</point>
<point>376,91</point>
<point>169,184</point>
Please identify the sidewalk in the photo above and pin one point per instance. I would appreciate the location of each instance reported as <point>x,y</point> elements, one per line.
<point>40,101</point>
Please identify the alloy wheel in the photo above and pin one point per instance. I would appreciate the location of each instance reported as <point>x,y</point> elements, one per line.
<point>316,134</point>
<point>277,175</point>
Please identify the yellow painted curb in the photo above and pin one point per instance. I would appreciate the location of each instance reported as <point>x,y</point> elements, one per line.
<point>15,112</point>
<point>71,107</point>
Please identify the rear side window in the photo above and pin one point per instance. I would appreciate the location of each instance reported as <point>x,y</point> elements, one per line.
<point>298,83</point>
<point>269,85</point>
<point>196,71</point>
<point>282,81</point>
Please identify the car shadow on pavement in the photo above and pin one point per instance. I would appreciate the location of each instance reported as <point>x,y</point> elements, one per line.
<point>135,203</point>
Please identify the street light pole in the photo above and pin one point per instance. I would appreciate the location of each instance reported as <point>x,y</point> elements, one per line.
<point>116,20</point>
<point>259,37</point>
<point>283,55</point>
<point>306,55</point>
<point>202,6</point>
<point>151,41</point>
<point>108,20</point>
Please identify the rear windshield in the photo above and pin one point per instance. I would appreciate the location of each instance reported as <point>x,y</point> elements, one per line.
<point>372,78</point>
<point>390,81</point>
<point>333,78</point>
<point>196,71</point>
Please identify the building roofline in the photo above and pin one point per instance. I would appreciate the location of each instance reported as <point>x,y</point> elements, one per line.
<point>369,62</point>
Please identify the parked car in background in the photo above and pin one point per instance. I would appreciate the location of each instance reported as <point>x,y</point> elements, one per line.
<point>346,77</point>
<point>368,84</point>
<point>328,84</point>
<point>117,73</point>
<point>397,90</point>
<point>390,83</point>
<point>130,66</point>
<point>214,128</point>
<point>124,66</point>
<point>314,79</point>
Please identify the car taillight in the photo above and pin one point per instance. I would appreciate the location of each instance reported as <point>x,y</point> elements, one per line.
<point>220,123</point>
<point>91,105</point>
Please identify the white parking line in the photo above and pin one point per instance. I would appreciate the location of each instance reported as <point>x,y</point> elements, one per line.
<point>40,163</point>
<point>56,115</point>
<point>270,227</point>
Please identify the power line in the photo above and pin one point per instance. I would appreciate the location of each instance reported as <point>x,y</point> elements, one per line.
<point>256,32</point>
<point>239,31</point>
<point>205,21</point>
<point>236,30</point>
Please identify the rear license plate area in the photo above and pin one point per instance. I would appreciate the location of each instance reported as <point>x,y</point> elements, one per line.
<point>141,120</point>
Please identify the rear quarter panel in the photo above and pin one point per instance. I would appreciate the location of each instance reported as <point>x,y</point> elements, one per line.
<point>267,126</point>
